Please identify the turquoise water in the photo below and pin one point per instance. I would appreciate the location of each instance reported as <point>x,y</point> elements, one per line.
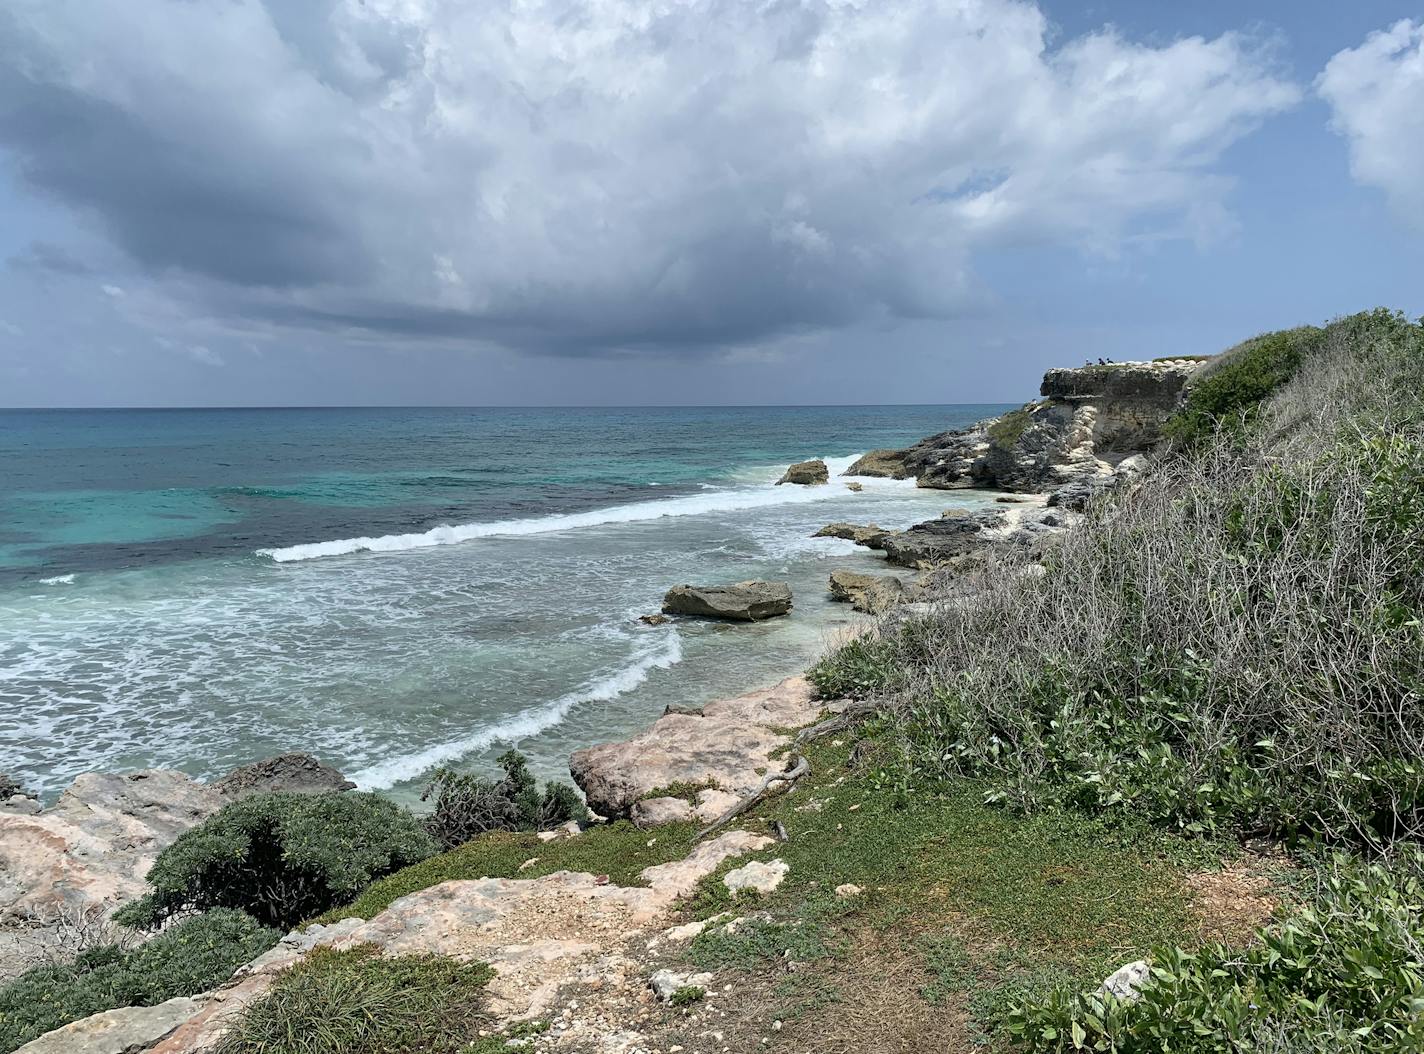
<point>394,589</point>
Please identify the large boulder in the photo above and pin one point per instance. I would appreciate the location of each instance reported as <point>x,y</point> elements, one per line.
<point>730,745</point>
<point>294,773</point>
<point>885,463</point>
<point>869,593</point>
<point>742,601</point>
<point>806,473</point>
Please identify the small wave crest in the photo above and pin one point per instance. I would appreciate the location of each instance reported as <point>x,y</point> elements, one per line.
<point>528,722</point>
<point>729,500</point>
<point>57,580</point>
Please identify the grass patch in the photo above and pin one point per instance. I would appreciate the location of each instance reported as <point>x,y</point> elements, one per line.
<point>1046,900</point>
<point>1007,430</point>
<point>356,1002</point>
<point>687,790</point>
<point>617,850</point>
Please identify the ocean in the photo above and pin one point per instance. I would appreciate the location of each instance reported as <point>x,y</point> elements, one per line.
<point>398,589</point>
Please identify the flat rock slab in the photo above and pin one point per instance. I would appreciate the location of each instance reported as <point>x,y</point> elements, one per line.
<point>811,473</point>
<point>741,601</point>
<point>538,934</point>
<point>119,1031</point>
<point>729,746</point>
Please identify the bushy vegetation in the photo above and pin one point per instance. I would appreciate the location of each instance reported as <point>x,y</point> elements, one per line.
<point>1008,429</point>
<point>282,858</point>
<point>1233,645</point>
<point>190,957</point>
<point>468,805</point>
<point>1229,393</point>
<point>356,1002</point>
<point>1344,973</point>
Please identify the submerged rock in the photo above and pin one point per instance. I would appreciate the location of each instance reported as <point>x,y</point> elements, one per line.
<point>807,473</point>
<point>854,487</point>
<point>889,464</point>
<point>742,601</point>
<point>294,773</point>
<point>730,746</point>
<point>653,620</point>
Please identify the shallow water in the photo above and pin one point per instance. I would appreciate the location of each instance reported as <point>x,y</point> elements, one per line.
<point>399,589</point>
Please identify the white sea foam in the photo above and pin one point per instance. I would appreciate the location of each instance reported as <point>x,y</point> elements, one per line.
<point>731,500</point>
<point>57,580</point>
<point>528,722</point>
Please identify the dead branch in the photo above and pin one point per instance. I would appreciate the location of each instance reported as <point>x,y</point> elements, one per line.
<point>795,770</point>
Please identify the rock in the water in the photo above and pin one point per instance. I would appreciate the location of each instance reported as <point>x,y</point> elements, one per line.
<point>741,601</point>
<point>868,535</point>
<point>757,876</point>
<point>869,593</point>
<point>1126,982</point>
<point>11,788</point>
<point>886,463</point>
<point>854,487</point>
<point>807,473</point>
<point>130,1028</point>
<point>730,746</point>
<point>926,545</point>
<point>654,620</point>
<point>294,773</point>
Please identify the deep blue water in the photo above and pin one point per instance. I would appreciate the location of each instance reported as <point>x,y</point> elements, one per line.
<point>398,588</point>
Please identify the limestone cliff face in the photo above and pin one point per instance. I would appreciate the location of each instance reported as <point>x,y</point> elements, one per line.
<point>1089,420</point>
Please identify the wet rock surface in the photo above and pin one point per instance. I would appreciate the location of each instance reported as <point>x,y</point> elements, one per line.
<point>739,602</point>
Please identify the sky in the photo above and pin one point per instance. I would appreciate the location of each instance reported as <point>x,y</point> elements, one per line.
<point>623,202</point>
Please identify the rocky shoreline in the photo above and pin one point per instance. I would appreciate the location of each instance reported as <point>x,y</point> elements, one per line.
<point>69,866</point>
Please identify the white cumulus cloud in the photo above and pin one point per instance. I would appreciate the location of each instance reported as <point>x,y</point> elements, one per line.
<point>1376,96</point>
<point>582,174</point>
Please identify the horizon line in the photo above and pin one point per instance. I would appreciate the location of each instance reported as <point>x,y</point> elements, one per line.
<point>495,406</point>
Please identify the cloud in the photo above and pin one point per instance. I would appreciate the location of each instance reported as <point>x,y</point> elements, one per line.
<point>1376,96</point>
<point>44,258</point>
<point>567,176</point>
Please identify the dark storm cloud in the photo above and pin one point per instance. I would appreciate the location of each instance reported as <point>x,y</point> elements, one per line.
<point>44,258</point>
<point>565,176</point>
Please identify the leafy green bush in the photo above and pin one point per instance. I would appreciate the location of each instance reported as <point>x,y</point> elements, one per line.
<point>468,805</point>
<point>190,957</point>
<point>1344,973</point>
<point>281,857</point>
<point>866,665</point>
<point>1232,389</point>
<point>1007,430</point>
<point>356,1002</point>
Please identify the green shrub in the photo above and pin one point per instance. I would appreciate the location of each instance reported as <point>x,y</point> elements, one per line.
<point>1232,390</point>
<point>356,1002</point>
<point>1007,430</point>
<point>281,857</point>
<point>467,806</point>
<point>687,995</point>
<point>190,957</point>
<point>1344,973</point>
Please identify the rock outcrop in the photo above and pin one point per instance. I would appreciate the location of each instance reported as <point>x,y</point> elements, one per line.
<point>1089,420</point>
<point>129,1028</point>
<point>73,863</point>
<point>288,773</point>
<point>540,936</point>
<point>807,473</point>
<point>742,601</point>
<point>729,746</point>
<point>928,545</point>
<point>872,594</point>
<point>889,464</point>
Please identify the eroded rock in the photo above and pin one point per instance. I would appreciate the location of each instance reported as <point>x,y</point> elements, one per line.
<point>757,876</point>
<point>730,745</point>
<point>130,1028</point>
<point>807,473</point>
<point>749,601</point>
<point>868,535</point>
<point>889,464</point>
<point>869,593</point>
<point>294,773</point>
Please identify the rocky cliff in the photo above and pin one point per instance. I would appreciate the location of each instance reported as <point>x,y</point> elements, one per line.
<point>1088,422</point>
